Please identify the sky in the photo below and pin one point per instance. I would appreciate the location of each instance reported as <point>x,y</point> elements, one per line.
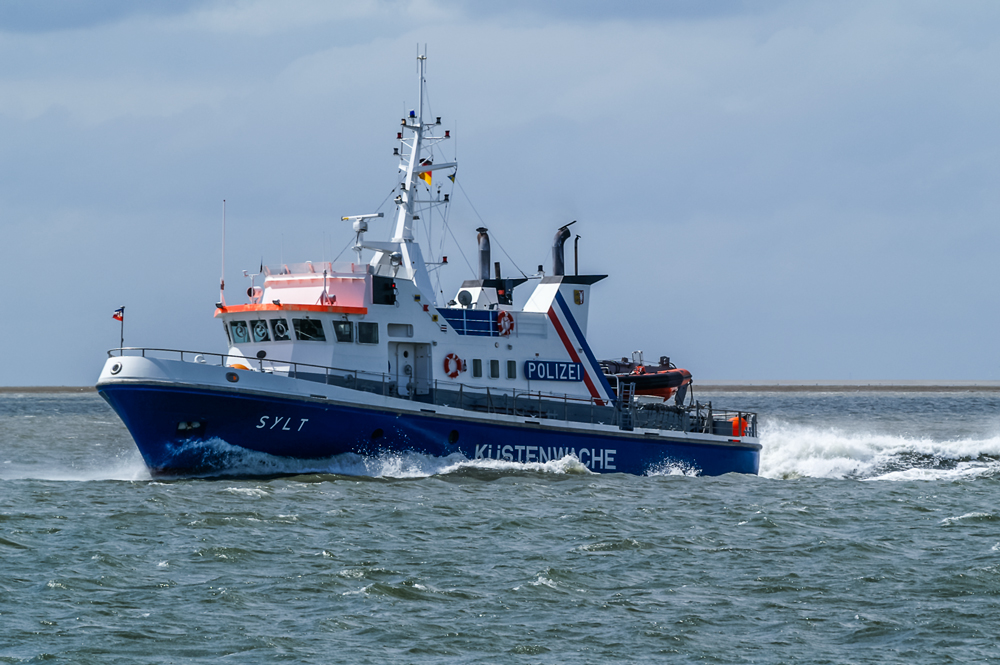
<point>778,190</point>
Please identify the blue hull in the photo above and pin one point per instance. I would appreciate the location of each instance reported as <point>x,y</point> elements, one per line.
<point>316,429</point>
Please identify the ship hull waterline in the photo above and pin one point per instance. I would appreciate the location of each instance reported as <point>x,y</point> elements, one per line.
<point>315,429</point>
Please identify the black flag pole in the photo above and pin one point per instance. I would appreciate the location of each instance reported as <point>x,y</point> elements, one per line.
<point>120,317</point>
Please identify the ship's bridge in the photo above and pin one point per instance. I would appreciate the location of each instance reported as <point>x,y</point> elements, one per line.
<point>323,283</point>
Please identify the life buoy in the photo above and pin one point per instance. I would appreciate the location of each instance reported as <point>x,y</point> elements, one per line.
<point>739,426</point>
<point>452,365</point>
<point>505,323</point>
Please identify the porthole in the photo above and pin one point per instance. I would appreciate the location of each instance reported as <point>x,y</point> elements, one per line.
<point>377,434</point>
<point>232,377</point>
<point>453,437</point>
<point>117,367</point>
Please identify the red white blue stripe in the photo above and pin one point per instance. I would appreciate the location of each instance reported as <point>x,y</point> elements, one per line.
<point>572,338</point>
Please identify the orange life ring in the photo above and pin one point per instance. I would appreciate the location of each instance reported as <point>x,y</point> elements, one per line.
<point>452,365</point>
<point>739,426</point>
<point>505,322</point>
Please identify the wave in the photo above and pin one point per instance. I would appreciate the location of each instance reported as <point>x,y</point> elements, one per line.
<point>125,465</point>
<point>239,462</point>
<point>789,451</point>
<point>797,451</point>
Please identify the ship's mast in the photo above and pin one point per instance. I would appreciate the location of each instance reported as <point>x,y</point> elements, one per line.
<point>414,123</point>
<point>409,260</point>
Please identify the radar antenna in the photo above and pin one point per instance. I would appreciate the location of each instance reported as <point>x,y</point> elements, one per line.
<point>360,227</point>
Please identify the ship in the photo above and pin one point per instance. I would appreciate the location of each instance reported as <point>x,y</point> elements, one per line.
<point>364,358</point>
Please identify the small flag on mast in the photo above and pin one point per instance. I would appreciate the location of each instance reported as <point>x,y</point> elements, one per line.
<point>119,314</point>
<point>426,175</point>
<point>452,177</point>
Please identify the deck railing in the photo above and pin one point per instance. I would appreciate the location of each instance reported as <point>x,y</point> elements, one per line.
<point>538,404</point>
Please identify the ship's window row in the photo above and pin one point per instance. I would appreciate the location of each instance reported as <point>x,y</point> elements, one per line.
<point>306,330</point>
<point>243,332</point>
<point>477,369</point>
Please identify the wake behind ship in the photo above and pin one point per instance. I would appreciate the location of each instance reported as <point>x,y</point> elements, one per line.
<point>326,359</point>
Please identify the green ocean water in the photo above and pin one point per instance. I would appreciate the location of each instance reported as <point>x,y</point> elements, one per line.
<point>871,536</point>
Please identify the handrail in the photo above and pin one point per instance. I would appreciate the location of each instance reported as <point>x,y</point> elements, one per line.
<point>293,370</point>
<point>545,406</point>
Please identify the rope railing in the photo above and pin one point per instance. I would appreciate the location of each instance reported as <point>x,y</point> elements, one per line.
<point>484,399</point>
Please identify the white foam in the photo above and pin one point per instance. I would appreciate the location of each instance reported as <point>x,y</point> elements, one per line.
<point>962,471</point>
<point>789,451</point>
<point>796,451</point>
<point>254,492</point>
<point>967,516</point>
<point>540,580</point>
<point>242,462</point>
<point>569,464</point>
<point>127,465</point>
<point>673,469</point>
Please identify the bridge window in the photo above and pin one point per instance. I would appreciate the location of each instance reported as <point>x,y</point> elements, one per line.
<point>344,330</point>
<point>280,329</point>
<point>241,333</point>
<point>259,331</point>
<point>494,369</point>
<point>367,332</point>
<point>477,368</point>
<point>309,330</point>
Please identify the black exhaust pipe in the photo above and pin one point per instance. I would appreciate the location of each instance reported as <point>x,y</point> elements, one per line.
<point>558,251</point>
<point>484,253</point>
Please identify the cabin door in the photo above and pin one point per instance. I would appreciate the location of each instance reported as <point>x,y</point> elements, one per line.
<point>422,369</point>
<point>403,362</point>
<point>410,368</point>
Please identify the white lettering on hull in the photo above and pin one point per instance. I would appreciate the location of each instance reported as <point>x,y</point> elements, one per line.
<point>284,421</point>
<point>592,458</point>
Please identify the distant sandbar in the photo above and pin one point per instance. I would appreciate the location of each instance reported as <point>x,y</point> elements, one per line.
<point>718,387</point>
<point>47,389</point>
<point>847,386</point>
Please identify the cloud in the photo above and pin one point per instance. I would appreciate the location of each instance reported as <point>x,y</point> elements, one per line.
<point>767,187</point>
<point>602,11</point>
<point>30,16</point>
<point>98,101</point>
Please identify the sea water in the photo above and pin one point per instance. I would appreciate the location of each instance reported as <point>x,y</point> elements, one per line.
<point>872,535</point>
